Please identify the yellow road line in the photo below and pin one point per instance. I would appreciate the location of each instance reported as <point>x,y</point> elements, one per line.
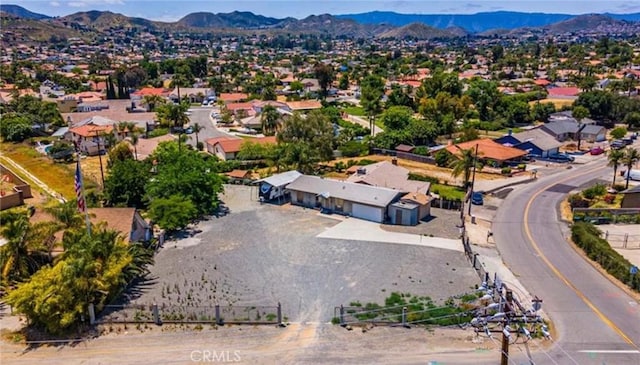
<point>527,230</point>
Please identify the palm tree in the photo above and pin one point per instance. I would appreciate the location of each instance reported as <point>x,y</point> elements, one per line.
<point>615,158</point>
<point>24,252</point>
<point>464,164</point>
<point>66,215</point>
<point>151,101</point>
<point>197,128</point>
<point>269,120</point>
<point>631,157</point>
<point>133,132</point>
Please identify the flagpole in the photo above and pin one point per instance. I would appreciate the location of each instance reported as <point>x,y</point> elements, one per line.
<point>83,204</point>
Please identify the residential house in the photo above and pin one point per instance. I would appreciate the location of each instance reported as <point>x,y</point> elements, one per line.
<point>90,138</point>
<point>126,221</point>
<point>631,197</point>
<point>491,152</point>
<point>303,105</point>
<point>227,98</point>
<point>388,174</point>
<point>226,148</point>
<point>563,92</point>
<point>356,200</point>
<point>193,94</point>
<point>535,141</point>
<point>571,129</point>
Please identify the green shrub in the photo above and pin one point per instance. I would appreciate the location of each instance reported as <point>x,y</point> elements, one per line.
<point>420,177</point>
<point>505,170</point>
<point>619,187</point>
<point>594,191</point>
<point>442,158</point>
<point>365,162</point>
<point>577,201</point>
<point>588,238</point>
<point>522,166</point>
<point>421,150</point>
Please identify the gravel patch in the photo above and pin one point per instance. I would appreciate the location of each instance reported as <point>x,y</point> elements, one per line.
<point>265,254</point>
<point>442,223</point>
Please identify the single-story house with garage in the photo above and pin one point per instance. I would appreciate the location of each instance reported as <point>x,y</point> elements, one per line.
<point>631,197</point>
<point>489,151</point>
<point>274,186</point>
<point>568,129</point>
<point>226,148</point>
<point>126,221</point>
<point>351,199</point>
<point>535,141</point>
<point>388,174</point>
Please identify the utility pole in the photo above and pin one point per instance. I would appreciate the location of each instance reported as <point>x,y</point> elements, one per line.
<point>100,157</point>
<point>473,177</point>
<point>504,359</point>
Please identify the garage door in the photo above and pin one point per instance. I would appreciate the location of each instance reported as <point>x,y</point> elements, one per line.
<point>367,212</point>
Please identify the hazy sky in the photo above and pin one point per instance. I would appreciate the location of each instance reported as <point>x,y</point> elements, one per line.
<point>173,10</point>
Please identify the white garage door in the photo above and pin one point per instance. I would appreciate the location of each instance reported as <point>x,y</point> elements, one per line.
<point>367,212</point>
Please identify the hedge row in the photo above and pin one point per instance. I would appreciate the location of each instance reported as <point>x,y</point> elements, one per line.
<point>588,237</point>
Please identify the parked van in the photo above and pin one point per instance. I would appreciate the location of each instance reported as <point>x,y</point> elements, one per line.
<point>635,175</point>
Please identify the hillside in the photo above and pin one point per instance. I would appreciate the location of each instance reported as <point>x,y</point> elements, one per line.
<point>590,22</point>
<point>328,24</point>
<point>21,12</point>
<point>102,20</point>
<point>416,31</point>
<point>20,30</point>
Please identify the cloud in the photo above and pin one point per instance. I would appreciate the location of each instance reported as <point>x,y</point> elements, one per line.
<point>54,3</point>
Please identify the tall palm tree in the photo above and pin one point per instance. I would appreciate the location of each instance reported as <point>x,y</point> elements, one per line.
<point>131,130</point>
<point>197,128</point>
<point>269,120</point>
<point>631,157</point>
<point>464,164</point>
<point>615,158</point>
<point>66,215</point>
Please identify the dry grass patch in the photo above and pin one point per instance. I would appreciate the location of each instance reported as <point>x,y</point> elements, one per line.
<point>58,176</point>
<point>558,103</point>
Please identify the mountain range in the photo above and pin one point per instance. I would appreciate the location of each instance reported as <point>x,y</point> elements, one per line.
<point>372,24</point>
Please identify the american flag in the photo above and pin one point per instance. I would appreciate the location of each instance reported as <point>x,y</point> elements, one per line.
<point>82,207</point>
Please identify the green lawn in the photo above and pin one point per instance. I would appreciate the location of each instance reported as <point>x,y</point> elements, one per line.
<point>355,110</point>
<point>448,191</point>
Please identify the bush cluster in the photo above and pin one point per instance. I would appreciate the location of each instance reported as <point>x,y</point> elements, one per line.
<point>587,237</point>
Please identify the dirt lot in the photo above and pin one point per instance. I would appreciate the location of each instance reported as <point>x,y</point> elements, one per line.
<point>422,168</point>
<point>264,254</point>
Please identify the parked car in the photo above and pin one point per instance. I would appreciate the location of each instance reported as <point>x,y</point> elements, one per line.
<point>189,130</point>
<point>476,198</point>
<point>627,141</point>
<point>561,157</point>
<point>635,175</point>
<point>617,144</point>
<point>596,151</point>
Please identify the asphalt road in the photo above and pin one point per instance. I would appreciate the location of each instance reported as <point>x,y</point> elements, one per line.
<point>200,115</point>
<point>595,321</point>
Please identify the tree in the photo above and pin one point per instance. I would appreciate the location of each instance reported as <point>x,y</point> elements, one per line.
<point>269,120</point>
<point>463,165</point>
<point>618,132</point>
<point>66,214</point>
<point>185,173</point>
<point>615,159</point>
<point>542,111</point>
<point>400,96</point>
<point>197,128</point>
<point>125,184</point>
<point>579,113</point>
<point>151,101</point>
<point>307,139</point>
<point>632,119</point>
<point>49,114</point>
<point>120,152</point>
<point>598,102</point>
<point>397,117</point>
<point>630,158</point>
<point>371,91</point>
<point>24,253</point>
<point>173,115</point>
<point>485,96</point>
<point>93,270</point>
<point>343,83</point>
<point>14,127</point>
<point>324,74</point>
<point>172,213</point>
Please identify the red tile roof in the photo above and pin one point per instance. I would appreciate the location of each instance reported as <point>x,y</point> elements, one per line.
<point>90,130</point>
<point>563,91</point>
<point>233,145</point>
<point>231,97</point>
<point>488,149</point>
<point>151,91</point>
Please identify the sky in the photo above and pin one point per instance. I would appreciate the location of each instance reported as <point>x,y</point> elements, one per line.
<point>166,10</point>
